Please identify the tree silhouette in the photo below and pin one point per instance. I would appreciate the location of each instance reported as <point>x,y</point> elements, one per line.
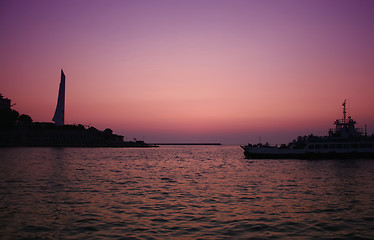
<point>8,117</point>
<point>26,119</point>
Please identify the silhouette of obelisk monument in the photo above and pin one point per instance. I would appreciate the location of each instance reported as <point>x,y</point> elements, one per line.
<point>59,116</point>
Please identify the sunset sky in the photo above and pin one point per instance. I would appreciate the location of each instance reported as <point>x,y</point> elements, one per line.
<point>192,71</point>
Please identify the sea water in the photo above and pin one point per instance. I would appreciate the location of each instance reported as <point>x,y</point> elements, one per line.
<point>181,192</point>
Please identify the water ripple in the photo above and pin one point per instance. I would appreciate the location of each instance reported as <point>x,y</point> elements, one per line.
<point>193,192</point>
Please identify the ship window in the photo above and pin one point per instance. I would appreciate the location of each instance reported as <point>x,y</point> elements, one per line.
<point>318,146</point>
<point>311,147</point>
<point>362,145</point>
<point>354,145</point>
<point>346,145</point>
<point>325,146</point>
<point>338,146</point>
<point>332,146</point>
<point>370,145</point>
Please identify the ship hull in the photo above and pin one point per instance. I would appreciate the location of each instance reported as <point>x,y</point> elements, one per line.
<point>267,153</point>
<point>310,156</point>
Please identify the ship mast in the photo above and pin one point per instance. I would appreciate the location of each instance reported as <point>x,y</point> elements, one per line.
<point>344,110</point>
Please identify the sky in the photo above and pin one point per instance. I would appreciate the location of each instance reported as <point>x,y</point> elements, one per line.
<point>226,71</point>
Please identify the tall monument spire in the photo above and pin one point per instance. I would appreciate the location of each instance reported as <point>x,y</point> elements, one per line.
<point>59,116</point>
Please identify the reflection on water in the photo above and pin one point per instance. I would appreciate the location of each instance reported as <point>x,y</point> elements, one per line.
<point>189,192</point>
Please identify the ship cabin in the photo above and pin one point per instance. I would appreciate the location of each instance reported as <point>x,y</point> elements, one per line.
<point>345,128</point>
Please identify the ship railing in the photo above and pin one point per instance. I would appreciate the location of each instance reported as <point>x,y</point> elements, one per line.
<point>337,131</point>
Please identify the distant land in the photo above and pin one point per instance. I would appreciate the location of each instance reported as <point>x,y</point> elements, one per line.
<point>20,131</point>
<point>186,144</point>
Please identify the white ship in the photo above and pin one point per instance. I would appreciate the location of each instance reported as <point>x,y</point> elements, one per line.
<point>345,141</point>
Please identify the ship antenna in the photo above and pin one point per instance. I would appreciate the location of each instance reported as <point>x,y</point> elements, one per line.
<point>344,110</point>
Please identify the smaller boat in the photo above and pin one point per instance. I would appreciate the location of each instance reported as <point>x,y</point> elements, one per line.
<point>345,141</point>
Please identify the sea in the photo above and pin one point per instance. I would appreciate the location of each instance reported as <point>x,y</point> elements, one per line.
<point>181,192</point>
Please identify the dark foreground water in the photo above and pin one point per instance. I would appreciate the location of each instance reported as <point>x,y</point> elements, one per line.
<point>181,192</point>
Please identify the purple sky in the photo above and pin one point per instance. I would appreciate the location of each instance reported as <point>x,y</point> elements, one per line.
<point>226,71</point>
